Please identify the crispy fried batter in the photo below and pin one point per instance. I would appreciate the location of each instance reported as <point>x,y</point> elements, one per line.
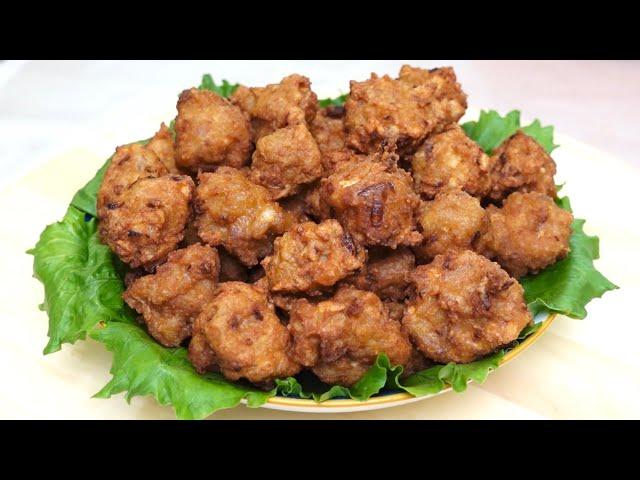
<point>290,102</point>
<point>403,111</point>
<point>311,257</point>
<point>285,160</point>
<point>171,299</point>
<point>149,219</point>
<point>340,338</point>
<point>465,307</point>
<point>328,130</point>
<point>295,208</point>
<point>374,202</point>
<point>210,131</point>
<point>237,214</point>
<point>129,164</point>
<point>239,332</point>
<point>451,160</point>
<point>386,273</point>
<point>529,233</point>
<point>450,222</point>
<point>162,145</point>
<point>521,164</point>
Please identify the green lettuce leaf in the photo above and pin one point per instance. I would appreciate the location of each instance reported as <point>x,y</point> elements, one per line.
<point>225,90</point>
<point>141,366</point>
<point>335,102</point>
<point>81,284</point>
<point>543,135</point>
<point>491,129</point>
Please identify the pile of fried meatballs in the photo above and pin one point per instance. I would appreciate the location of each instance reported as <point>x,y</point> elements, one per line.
<point>271,235</point>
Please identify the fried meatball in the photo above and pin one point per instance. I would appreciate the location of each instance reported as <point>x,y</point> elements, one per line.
<point>312,257</point>
<point>162,145</point>
<point>521,164</point>
<point>171,299</point>
<point>149,220</point>
<point>340,338</point>
<point>239,333</point>
<point>210,131</point>
<point>451,160</point>
<point>129,164</point>
<point>465,307</point>
<point>290,102</point>
<point>328,130</point>
<point>450,222</point>
<point>403,111</point>
<point>374,202</point>
<point>386,273</point>
<point>285,160</point>
<point>529,233</point>
<point>416,363</point>
<point>234,212</point>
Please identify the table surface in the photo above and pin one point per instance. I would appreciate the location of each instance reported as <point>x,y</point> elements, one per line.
<point>60,120</point>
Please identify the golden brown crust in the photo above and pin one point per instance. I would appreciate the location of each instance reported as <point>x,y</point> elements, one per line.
<point>449,223</point>
<point>129,164</point>
<point>328,130</point>
<point>521,164</point>
<point>465,307</point>
<point>171,298</point>
<point>210,131</point>
<point>374,202</point>
<point>162,145</point>
<point>451,160</point>
<point>340,338</point>
<point>386,273</point>
<point>239,333</point>
<point>290,102</point>
<point>234,212</point>
<point>403,111</point>
<point>149,219</point>
<point>529,233</point>
<point>312,257</point>
<point>285,160</point>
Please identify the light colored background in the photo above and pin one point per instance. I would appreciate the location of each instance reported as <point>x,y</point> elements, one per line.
<point>60,120</point>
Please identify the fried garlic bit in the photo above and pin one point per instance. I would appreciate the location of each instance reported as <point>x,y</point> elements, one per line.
<point>449,223</point>
<point>210,131</point>
<point>340,338</point>
<point>239,333</point>
<point>530,232</point>
<point>171,299</point>
<point>374,202</point>
<point>451,160</point>
<point>312,257</point>
<point>403,111</point>
<point>464,307</point>
<point>234,212</point>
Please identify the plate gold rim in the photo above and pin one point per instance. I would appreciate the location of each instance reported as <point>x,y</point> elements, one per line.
<point>398,397</point>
